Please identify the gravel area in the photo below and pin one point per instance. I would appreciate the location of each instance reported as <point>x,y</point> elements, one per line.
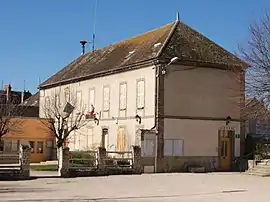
<point>181,187</point>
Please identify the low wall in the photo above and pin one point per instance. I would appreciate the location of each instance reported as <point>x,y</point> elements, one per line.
<point>101,163</point>
<point>181,163</point>
<point>15,166</point>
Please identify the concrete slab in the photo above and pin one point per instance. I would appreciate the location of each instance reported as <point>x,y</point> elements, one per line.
<point>206,187</point>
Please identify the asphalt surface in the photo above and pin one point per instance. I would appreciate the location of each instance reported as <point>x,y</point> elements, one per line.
<point>183,187</point>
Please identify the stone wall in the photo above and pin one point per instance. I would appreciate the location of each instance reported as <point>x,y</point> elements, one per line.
<point>66,170</point>
<point>20,170</point>
<point>181,163</point>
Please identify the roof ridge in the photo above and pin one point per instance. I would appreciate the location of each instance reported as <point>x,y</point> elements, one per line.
<point>176,23</point>
<point>131,38</point>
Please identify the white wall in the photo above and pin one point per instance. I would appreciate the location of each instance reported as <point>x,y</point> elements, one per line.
<point>131,77</point>
<point>200,137</point>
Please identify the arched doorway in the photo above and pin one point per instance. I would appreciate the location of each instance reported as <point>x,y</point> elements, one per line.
<point>226,147</point>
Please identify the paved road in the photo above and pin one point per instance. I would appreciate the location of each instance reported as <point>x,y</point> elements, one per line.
<point>141,188</point>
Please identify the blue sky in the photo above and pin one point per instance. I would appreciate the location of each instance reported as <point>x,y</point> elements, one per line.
<point>38,38</point>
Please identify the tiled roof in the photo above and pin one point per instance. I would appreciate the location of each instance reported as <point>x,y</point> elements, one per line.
<point>33,100</point>
<point>174,39</point>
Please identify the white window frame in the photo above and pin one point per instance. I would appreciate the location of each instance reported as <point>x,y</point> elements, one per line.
<point>106,98</point>
<point>123,96</point>
<point>91,98</point>
<point>140,94</point>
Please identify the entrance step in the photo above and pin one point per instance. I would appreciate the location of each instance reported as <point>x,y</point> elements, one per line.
<point>261,169</point>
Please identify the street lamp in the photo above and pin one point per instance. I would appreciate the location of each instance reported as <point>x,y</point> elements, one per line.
<point>174,59</point>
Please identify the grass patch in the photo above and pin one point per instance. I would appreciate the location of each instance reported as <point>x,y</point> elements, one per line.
<point>44,167</point>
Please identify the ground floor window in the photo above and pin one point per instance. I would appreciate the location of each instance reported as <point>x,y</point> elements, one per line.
<point>8,145</point>
<point>173,147</point>
<point>32,145</point>
<point>40,147</point>
<point>1,145</point>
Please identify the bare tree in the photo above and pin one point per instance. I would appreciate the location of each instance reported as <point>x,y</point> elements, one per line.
<point>63,118</point>
<point>8,121</point>
<point>257,54</point>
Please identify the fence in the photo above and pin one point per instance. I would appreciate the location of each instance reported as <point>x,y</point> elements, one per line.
<point>15,165</point>
<point>100,162</point>
<point>83,160</point>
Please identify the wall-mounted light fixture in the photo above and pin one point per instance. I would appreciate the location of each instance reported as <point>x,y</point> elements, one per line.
<point>138,119</point>
<point>228,120</point>
<point>96,121</point>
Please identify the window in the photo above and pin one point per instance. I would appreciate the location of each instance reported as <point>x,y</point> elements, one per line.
<point>173,147</point>
<point>91,99</point>
<point>1,145</point>
<point>140,94</point>
<point>57,101</point>
<point>8,144</point>
<point>14,145</point>
<point>67,94</point>
<point>121,139</point>
<point>32,145</point>
<point>149,147</point>
<point>49,144</point>
<point>106,98</point>
<point>40,147</point>
<point>123,96</point>
<point>79,100</point>
<point>47,103</point>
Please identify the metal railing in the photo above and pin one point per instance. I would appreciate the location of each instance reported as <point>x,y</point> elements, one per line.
<point>119,159</point>
<point>240,161</point>
<point>84,160</point>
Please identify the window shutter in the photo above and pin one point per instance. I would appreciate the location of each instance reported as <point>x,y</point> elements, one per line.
<point>106,98</point>
<point>91,99</point>
<point>123,94</point>
<point>79,100</point>
<point>140,94</point>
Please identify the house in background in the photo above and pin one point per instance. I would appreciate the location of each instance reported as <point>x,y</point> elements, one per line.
<point>30,129</point>
<point>171,83</point>
<point>16,97</point>
<point>34,132</point>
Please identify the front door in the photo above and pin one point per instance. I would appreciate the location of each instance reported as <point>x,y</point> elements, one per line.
<point>225,150</point>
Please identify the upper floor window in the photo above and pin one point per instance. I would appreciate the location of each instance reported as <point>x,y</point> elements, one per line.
<point>47,103</point>
<point>140,94</point>
<point>57,100</point>
<point>91,99</point>
<point>79,100</point>
<point>67,94</point>
<point>106,98</point>
<point>123,96</point>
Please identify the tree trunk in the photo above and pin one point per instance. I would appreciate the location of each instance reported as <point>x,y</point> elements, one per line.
<point>60,159</point>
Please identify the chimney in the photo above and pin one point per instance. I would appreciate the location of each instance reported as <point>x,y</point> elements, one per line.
<point>22,97</point>
<point>83,42</point>
<point>8,91</point>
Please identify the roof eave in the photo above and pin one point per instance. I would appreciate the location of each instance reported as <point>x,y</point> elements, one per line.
<point>120,69</point>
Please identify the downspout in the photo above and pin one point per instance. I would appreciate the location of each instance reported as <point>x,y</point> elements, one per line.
<point>157,64</point>
<point>156,95</point>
